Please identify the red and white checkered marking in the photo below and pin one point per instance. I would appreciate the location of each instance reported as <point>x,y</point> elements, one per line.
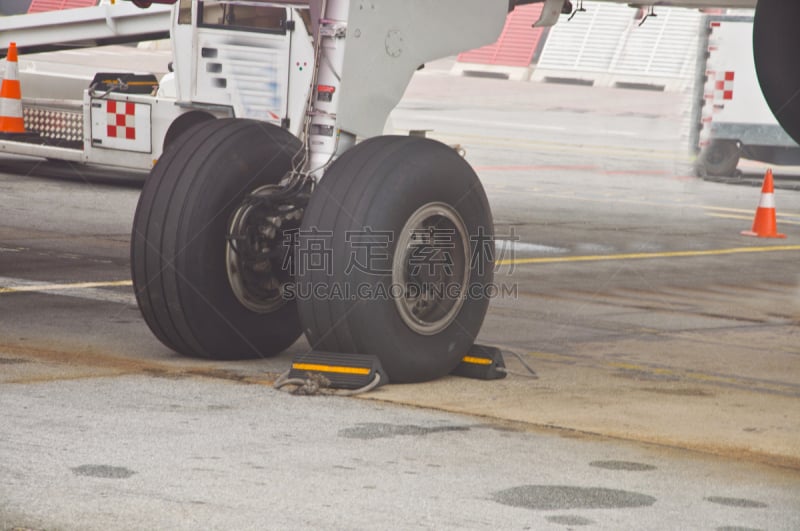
<point>723,85</point>
<point>121,120</point>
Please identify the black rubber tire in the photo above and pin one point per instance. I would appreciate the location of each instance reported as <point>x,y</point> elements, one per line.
<point>182,124</point>
<point>720,158</point>
<point>775,44</point>
<point>178,242</point>
<point>379,184</point>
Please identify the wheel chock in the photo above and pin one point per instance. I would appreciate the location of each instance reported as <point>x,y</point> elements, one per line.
<point>482,363</point>
<point>343,371</point>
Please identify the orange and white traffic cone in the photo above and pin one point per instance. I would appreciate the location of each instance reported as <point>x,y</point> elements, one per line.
<point>765,224</point>
<point>11,120</point>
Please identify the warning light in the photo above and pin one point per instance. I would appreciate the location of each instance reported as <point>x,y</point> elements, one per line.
<point>325,92</point>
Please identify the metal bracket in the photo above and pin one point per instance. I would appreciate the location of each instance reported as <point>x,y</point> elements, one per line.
<point>333,31</point>
<point>550,12</point>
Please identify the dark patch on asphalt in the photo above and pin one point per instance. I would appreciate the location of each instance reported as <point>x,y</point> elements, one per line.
<point>628,466</point>
<point>498,427</point>
<point>575,110</point>
<point>384,431</point>
<point>737,528</point>
<point>103,471</point>
<point>157,372</point>
<point>648,115</point>
<point>560,497</point>
<point>679,392</point>
<point>646,376</point>
<point>736,502</point>
<point>569,520</point>
<point>13,361</point>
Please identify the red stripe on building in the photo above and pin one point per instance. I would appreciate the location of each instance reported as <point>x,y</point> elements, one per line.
<point>39,6</point>
<point>516,44</point>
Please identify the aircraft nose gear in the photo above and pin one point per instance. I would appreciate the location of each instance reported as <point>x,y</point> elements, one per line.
<point>261,232</point>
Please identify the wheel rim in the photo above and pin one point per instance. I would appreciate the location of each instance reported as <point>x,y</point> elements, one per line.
<point>254,280</point>
<point>431,266</point>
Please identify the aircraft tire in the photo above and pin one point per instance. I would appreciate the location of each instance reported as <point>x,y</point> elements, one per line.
<point>178,244</point>
<point>369,217</point>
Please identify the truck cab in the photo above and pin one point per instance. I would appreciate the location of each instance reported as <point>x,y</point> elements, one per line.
<point>242,56</point>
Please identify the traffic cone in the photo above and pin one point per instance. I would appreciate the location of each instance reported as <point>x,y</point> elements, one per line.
<point>11,121</point>
<point>765,224</point>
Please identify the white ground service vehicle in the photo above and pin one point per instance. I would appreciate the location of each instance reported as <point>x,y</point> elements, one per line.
<point>229,60</point>
<point>735,118</point>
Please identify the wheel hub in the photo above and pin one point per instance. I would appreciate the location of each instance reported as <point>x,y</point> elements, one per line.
<point>431,266</point>
<point>258,253</point>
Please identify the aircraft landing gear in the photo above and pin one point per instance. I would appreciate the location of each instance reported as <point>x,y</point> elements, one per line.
<point>402,224</point>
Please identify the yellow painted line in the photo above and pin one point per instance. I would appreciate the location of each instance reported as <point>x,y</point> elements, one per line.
<point>561,147</point>
<point>733,216</point>
<point>130,83</point>
<point>687,374</point>
<point>645,256</point>
<point>690,375</point>
<point>751,211</point>
<point>549,356</point>
<point>476,361</point>
<point>728,209</point>
<point>642,202</point>
<point>61,287</point>
<point>653,370</point>
<point>330,368</point>
<point>730,216</point>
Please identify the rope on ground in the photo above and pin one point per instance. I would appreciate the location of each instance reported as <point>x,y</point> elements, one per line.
<point>530,374</point>
<point>317,384</point>
<point>369,387</point>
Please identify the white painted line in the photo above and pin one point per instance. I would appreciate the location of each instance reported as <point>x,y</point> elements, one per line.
<point>509,246</point>
<point>81,290</point>
<point>485,123</point>
<point>606,132</point>
<point>515,125</point>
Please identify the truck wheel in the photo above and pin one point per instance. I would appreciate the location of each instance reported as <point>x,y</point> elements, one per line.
<point>719,158</point>
<point>395,257</point>
<point>180,255</point>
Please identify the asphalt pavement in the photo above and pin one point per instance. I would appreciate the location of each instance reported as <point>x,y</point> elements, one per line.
<point>169,452</point>
<point>666,345</point>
